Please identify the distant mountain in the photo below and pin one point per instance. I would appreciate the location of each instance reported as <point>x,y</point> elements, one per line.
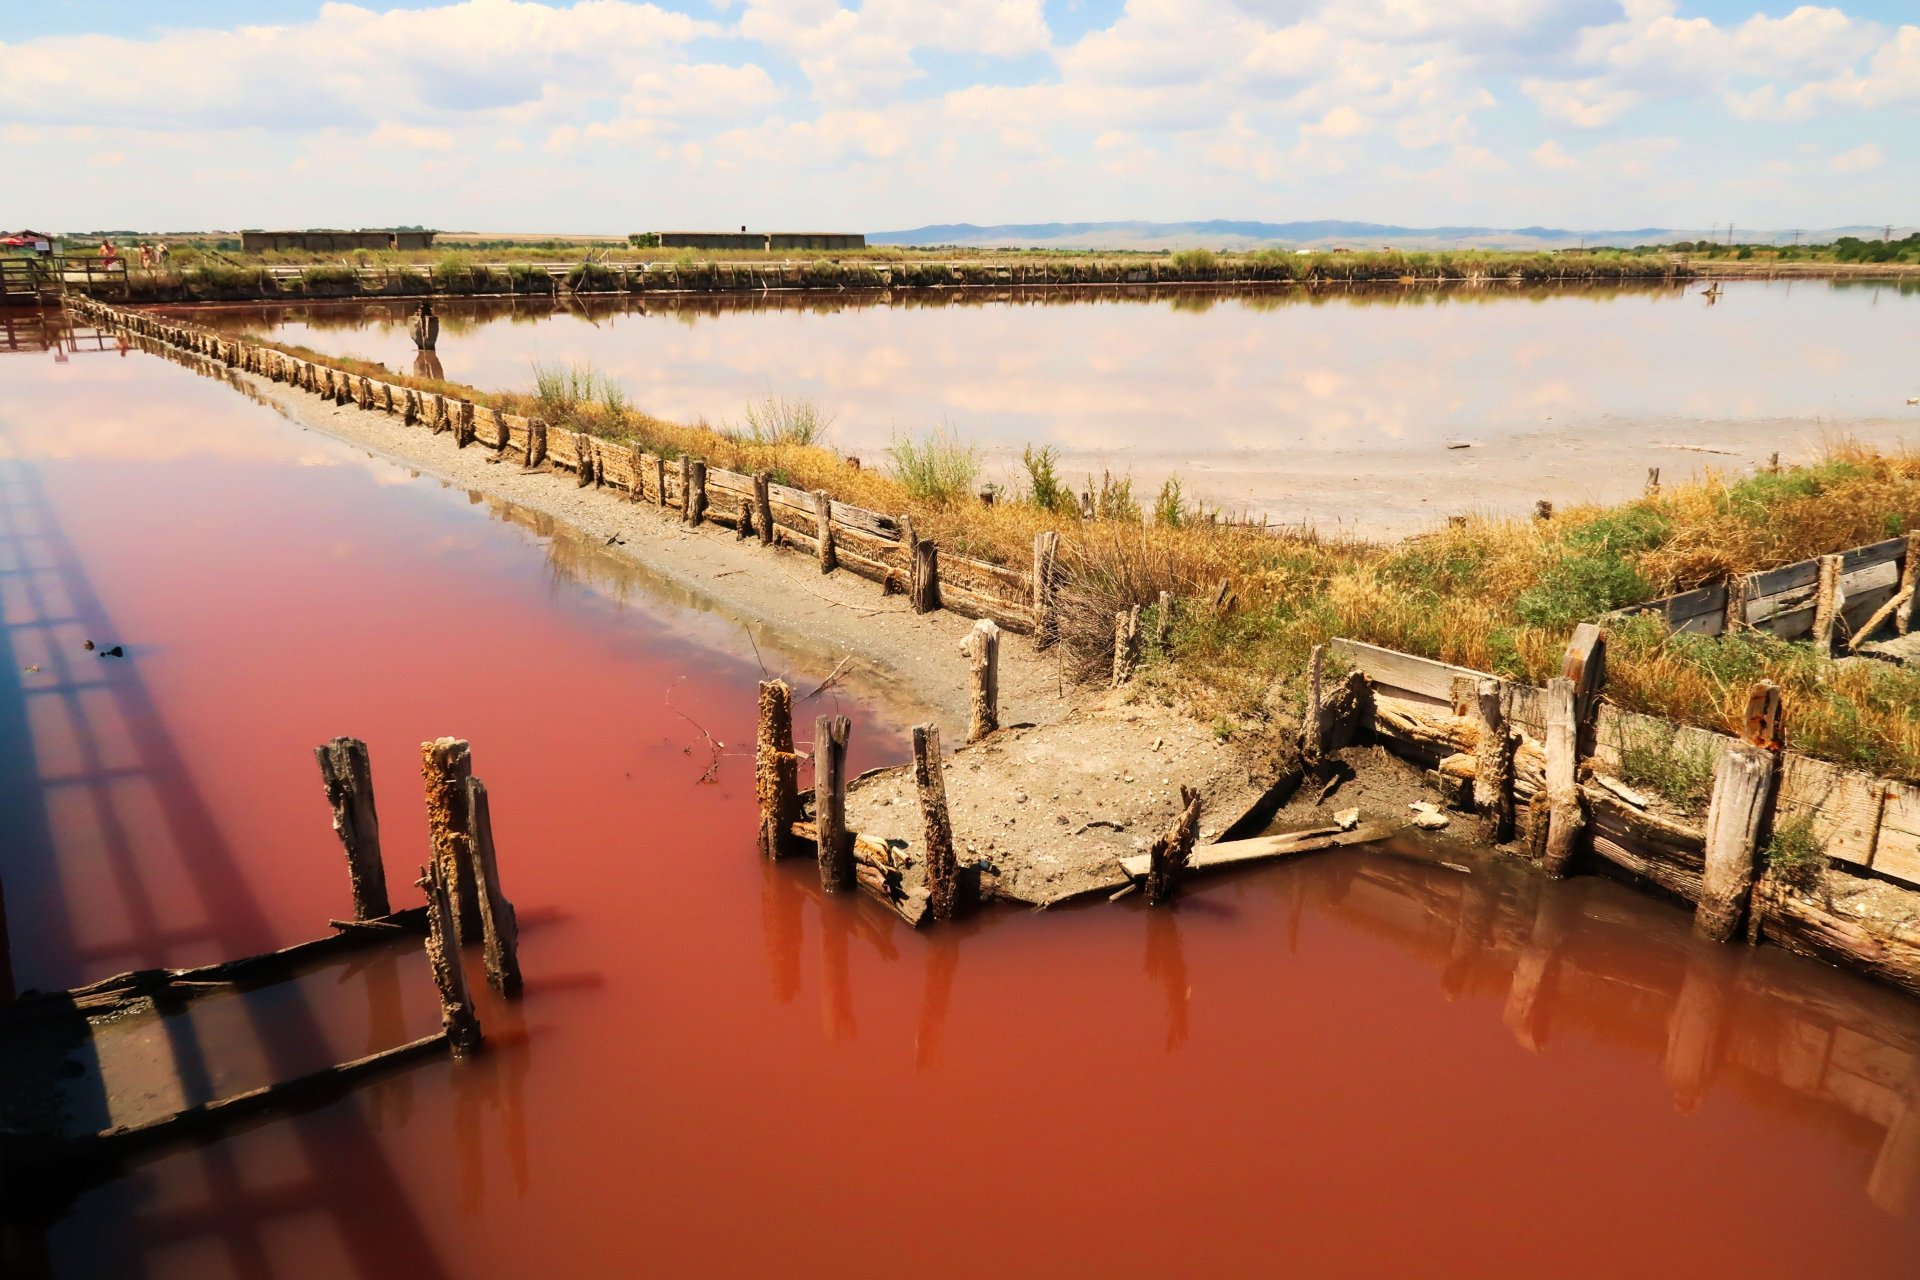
<point>1324,234</point>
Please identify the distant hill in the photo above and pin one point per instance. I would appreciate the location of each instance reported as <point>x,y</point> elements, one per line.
<point>1324,234</point>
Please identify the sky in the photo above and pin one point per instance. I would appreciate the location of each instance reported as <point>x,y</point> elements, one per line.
<point>608,117</point>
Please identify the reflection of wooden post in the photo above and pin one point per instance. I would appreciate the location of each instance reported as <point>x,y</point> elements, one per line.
<point>499,927</point>
<point>776,769</point>
<point>1742,789</point>
<point>982,648</point>
<point>1046,618</point>
<point>446,764</point>
<point>823,529</point>
<point>457,1018</point>
<point>1827,603</point>
<point>1897,1165</point>
<point>348,778</point>
<point>1694,1031</point>
<point>943,873</point>
<point>1167,856</point>
<point>1493,761</point>
<point>1564,815</point>
<point>763,507</point>
<point>1529,1003</point>
<point>834,844</point>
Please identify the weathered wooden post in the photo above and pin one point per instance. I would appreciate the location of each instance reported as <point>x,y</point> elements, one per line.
<point>834,843</point>
<point>1827,602</point>
<point>763,507</point>
<point>1167,856</point>
<point>660,480</point>
<point>445,765</point>
<point>457,1019</point>
<point>982,649</point>
<point>1564,815</point>
<point>348,778</point>
<point>743,521</point>
<point>1493,761</point>
<point>463,429</point>
<point>1742,789</point>
<point>1653,482</point>
<point>1310,737</point>
<point>943,872</point>
<point>1909,580</point>
<point>1163,624</point>
<point>686,488</point>
<point>776,769</point>
<point>1046,618</point>
<point>697,504</point>
<point>823,530</point>
<point>1126,644</point>
<point>410,408</point>
<point>536,441</point>
<point>1739,592</point>
<point>585,461</point>
<point>499,926</point>
<point>925,587</point>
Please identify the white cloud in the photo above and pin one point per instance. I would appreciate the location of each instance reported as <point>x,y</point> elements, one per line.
<point>1550,155</point>
<point>1858,160</point>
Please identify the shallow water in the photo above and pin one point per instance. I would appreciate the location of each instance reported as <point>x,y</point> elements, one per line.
<point>1335,406</point>
<point>1353,1065</point>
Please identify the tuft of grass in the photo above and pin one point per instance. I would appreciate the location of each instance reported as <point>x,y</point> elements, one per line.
<point>1654,759</point>
<point>1795,855</point>
<point>777,419</point>
<point>1195,261</point>
<point>935,467</point>
<point>1045,489</point>
<point>576,390</point>
<point>1169,509</point>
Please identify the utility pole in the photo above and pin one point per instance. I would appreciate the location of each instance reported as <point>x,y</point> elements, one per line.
<point>1887,235</point>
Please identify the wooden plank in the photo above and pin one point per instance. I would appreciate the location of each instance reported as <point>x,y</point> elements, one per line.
<point>1685,610</point>
<point>985,578</point>
<point>1614,729</point>
<point>1896,854</point>
<point>1422,677</point>
<point>1262,848</point>
<point>1844,806</point>
<point>972,604</point>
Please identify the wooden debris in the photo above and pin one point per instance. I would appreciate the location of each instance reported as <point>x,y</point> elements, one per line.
<point>982,649</point>
<point>1231,853</point>
<point>348,778</point>
<point>834,845</point>
<point>942,868</point>
<point>499,926</point>
<point>1880,615</point>
<point>445,765</point>
<point>776,770</point>
<point>1621,790</point>
<point>1167,857</point>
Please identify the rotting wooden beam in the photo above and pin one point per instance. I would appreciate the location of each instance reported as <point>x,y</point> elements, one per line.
<point>1827,601</point>
<point>1896,604</point>
<point>1564,814</point>
<point>457,1019</point>
<point>823,529</point>
<point>499,925</point>
<point>1235,853</point>
<point>776,770</point>
<point>1046,616</point>
<point>929,780</point>
<point>445,766</point>
<point>1167,856</point>
<point>834,844</point>
<point>348,779</point>
<point>1743,785</point>
<point>982,650</point>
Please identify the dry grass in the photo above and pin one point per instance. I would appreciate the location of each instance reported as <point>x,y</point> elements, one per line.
<point>1493,595</point>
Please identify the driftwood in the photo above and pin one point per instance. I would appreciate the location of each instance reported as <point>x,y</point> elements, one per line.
<point>1231,853</point>
<point>457,1020</point>
<point>1167,857</point>
<point>924,581</point>
<point>499,926</point>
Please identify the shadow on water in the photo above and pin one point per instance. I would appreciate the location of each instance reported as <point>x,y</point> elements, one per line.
<point>82,738</point>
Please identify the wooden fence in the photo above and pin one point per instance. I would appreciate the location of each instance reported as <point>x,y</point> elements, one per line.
<point>835,534</point>
<point>1843,595</point>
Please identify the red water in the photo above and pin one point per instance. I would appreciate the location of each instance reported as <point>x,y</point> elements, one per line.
<point>1352,1066</point>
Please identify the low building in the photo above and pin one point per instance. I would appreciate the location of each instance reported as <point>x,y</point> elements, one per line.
<point>760,241</point>
<point>333,241</point>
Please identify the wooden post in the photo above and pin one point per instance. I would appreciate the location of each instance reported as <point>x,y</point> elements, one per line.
<point>1653,482</point>
<point>457,1018</point>
<point>943,872</point>
<point>1585,664</point>
<point>660,480</point>
<point>348,779</point>
<point>1826,605</point>
<point>697,503</point>
<point>1046,617</point>
<point>1909,580</point>
<point>1564,816</point>
<point>1493,761</point>
<point>926,576</point>
<point>775,770</point>
<point>586,459</point>
<point>1163,624</point>
<point>834,843</point>
<point>1742,790</point>
<point>686,488</point>
<point>536,441</point>
<point>823,529</point>
<point>499,927</point>
<point>743,522</point>
<point>446,764</point>
<point>1739,589</point>
<point>982,648</point>
<point>410,408</point>
<point>763,507</point>
<point>1126,644</point>
<point>1167,857</point>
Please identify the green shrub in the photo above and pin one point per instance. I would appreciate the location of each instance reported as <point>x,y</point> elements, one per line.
<point>1195,261</point>
<point>775,419</point>
<point>1045,489</point>
<point>1169,509</point>
<point>1795,855</point>
<point>935,467</point>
